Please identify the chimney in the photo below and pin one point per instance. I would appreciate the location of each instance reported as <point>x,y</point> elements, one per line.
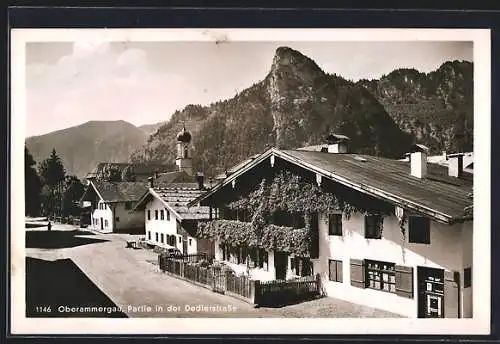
<point>151,182</point>
<point>199,179</point>
<point>418,160</point>
<point>445,155</point>
<point>456,165</point>
<point>337,143</point>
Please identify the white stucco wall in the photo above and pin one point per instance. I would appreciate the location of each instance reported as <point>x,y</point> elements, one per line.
<point>166,227</point>
<point>105,214</point>
<point>445,251</point>
<point>128,220</point>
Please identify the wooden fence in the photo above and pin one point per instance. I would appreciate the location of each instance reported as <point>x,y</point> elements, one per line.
<point>281,292</point>
<point>269,293</point>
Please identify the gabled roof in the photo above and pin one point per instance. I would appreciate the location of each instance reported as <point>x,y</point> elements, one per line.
<point>236,167</point>
<point>167,178</point>
<point>140,169</point>
<point>438,196</point>
<point>175,197</point>
<point>117,191</point>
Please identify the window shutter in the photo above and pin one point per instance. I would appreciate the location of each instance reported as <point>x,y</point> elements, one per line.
<point>358,273</point>
<point>451,294</point>
<point>404,281</point>
<point>339,272</point>
<point>333,270</point>
<point>314,236</point>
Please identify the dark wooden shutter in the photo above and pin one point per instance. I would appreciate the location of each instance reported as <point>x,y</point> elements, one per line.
<point>451,294</point>
<point>404,281</point>
<point>340,277</point>
<point>314,236</point>
<point>358,273</point>
<point>333,270</point>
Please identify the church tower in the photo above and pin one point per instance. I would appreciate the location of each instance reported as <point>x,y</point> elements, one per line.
<point>184,161</point>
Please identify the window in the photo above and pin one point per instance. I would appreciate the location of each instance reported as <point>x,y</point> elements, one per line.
<point>301,266</point>
<point>128,205</point>
<point>373,226</point>
<point>468,277</point>
<point>149,235</point>
<point>162,215</point>
<point>419,230</point>
<point>149,214</point>
<point>335,268</point>
<point>156,237</point>
<point>168,214</point>
<point>180,239</point>
<point>284,218</point>
<point>156,214</point>
<point>117,219</point>
<point>380,276</point>
<point>263,259</point>
<point>335,224</point>
<point>222,249</point>
<point>105,223</point>
<point>190,241</point>
<point>162,238</point>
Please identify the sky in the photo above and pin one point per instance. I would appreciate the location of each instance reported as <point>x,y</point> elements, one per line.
<point>69,84</point>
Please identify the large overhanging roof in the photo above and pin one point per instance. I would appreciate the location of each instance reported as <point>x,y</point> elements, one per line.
<point>438,196</point>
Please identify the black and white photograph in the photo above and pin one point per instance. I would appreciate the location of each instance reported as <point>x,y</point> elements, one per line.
<point>313,180</point>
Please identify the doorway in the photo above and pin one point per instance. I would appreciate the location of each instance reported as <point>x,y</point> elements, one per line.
<point>430,292</point>
<point>102,223</point>
<point>280,264</point>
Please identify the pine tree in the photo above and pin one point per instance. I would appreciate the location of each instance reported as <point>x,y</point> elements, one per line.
<point>52,173</point>
<point>73,191</point>
<point>32,186</point>
<point>128,174</point>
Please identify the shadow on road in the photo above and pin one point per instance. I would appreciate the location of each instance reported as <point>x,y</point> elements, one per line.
<point>59,239</point>
<point>60,289</point>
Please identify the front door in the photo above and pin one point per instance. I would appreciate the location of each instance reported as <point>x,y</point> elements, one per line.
<point>430,292</point>
<point>280,264</point>
<point>102,223</point>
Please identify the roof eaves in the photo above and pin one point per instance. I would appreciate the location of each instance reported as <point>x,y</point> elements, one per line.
<point>233,176</point>
<point>445,218</point>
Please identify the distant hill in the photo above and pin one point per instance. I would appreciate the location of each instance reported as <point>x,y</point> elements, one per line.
<point>435,107</point>
<point>151,128</point>
<point>295,105</point>
<point>83,146</point>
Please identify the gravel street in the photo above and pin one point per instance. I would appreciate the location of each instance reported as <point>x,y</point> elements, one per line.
<point>131,279</point>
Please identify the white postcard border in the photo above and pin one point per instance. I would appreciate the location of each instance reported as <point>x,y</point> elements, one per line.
<point>479,324</point>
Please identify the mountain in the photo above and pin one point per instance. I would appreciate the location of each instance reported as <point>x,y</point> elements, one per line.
<point>435,107</point>
<point>83,146</point>
<point>295,105</point>
<point>151,128</point>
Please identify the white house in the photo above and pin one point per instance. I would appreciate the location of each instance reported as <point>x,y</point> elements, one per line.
<point>112,203</point>
<point>168,220</point>
<point>411,254</point>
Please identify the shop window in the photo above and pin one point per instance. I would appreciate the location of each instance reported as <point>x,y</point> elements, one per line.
<point>380,276</point>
